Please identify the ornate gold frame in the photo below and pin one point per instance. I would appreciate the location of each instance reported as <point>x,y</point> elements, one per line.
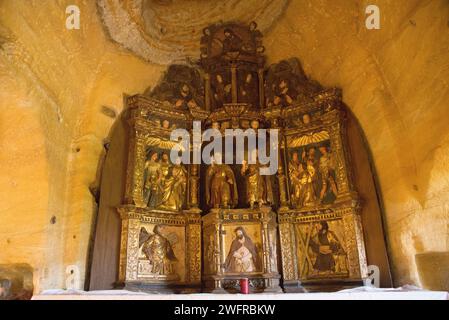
<point>327,114</point>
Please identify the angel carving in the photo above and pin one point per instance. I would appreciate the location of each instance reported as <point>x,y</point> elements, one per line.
<point>221,188</point>
<point>158,249</point>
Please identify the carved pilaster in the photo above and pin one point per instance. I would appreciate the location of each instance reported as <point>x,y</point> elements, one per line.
<point>287,248</point>
<point>139,167</point>
<point>194,252</point>
<point>354,245</point>
<point>129,253</point>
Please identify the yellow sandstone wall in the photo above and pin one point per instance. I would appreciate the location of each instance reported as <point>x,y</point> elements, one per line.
<point>395,80</point>
<point>54,84</point>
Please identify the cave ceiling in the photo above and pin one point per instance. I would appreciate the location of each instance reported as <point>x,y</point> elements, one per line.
<point>169,31</point>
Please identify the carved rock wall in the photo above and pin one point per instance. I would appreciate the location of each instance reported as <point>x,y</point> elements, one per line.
<point>61,91</point>
<point>395,82</point>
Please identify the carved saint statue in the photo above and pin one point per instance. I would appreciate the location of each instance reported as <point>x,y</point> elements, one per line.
<point>258,189</point>
<point>152,181</point>
<point>174,188</point>
<point>242,256</point>
<point>295,174</point>
<point>284,95</point>
<point>232,42</point>
<point>329,190</point>
<point>248,90</point>
<point>304,178</point>
<point>330,255</point>
<point>158,250</point>
<point>221,91</point>
<point>185,99</point>
<point>221,188</point>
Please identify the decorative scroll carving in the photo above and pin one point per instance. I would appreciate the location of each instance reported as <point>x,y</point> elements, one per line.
<point>132,250</point>
<point>287,249</point>
<point>181,86</point>
<point>194,252</point>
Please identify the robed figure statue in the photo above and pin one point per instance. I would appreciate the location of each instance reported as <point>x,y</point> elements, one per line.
<point>152,181</point>
<point>174,188</point>
<point>221,188</point>
<point>258,187</point>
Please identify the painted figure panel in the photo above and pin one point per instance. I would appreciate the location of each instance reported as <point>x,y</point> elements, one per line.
<point>321,250</point>
<point>243,247</point>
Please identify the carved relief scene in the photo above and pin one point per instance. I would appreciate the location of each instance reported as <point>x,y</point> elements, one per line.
<point>165,183</point>
<point>161,254</point>
<point>311,171</point>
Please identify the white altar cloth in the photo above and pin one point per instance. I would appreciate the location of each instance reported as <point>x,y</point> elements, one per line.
<point>362,293</point>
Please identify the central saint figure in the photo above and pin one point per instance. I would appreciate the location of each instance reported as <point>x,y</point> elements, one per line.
<point>221,188</point>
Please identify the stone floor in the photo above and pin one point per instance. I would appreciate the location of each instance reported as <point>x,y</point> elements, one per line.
<point>362,293</point>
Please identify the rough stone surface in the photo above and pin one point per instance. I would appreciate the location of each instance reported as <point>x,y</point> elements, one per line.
<point>170,30</point>
<point>433,268</point>
<point>54,84</point>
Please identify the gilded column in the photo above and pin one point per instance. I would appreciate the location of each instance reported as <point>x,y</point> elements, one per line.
<point>207,91</point>
<point>283,190</point>
<point>265,240</point>
<point>218,245</point>
<point>234,82</point>
<point>222,248</point>
<point>139,168</point>
<point>193,194</point>
<point>261,89</point>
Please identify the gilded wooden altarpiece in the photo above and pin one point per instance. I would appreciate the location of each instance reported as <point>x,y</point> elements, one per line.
<point>191,227</point>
